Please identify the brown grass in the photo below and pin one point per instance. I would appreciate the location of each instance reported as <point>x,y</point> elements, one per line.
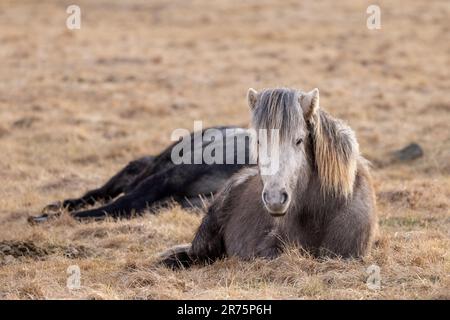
<point>75,106</point>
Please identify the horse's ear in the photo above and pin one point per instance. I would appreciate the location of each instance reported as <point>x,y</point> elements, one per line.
<point>251,98</point>
<point>309,102</point>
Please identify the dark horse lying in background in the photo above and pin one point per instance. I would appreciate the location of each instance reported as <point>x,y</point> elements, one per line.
<point>154,181</point>
<point>321,197</point>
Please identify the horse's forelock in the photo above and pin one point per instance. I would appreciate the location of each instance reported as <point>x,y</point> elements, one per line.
<point>278,109</point>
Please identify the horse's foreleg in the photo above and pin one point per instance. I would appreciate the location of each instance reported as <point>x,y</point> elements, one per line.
<point>124,206</point>
<point>347,238</point>
<point>152,190</point>
<point>111,189</point>
<point>115,186</point>
<point>177,257</point>
<point>269,248</point>
<point>207,245</point>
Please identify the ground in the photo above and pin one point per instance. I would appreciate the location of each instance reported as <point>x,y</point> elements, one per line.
<point>77,105</point>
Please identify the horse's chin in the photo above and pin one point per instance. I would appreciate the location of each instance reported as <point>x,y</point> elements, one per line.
<point>277,215</point>
<point>278,212</point>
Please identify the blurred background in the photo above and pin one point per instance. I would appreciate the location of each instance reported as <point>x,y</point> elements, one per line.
<point>77,105</point>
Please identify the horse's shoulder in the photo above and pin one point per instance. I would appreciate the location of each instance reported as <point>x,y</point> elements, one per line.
<point>243,176</point>
<point>225,195</point>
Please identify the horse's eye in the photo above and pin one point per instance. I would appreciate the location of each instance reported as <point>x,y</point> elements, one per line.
<point>299,141</point>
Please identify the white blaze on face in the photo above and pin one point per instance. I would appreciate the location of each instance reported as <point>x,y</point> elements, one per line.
<point>279,166</point>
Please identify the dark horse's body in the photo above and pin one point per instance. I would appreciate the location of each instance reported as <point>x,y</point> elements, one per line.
<point>152,182</point>
<point>321,198</point>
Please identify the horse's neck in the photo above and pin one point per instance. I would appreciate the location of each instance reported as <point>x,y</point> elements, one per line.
<point>312,205</point>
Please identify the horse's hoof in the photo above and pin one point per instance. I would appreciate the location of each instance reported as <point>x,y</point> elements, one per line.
<point>53,207</point>
<point>42,218</point>
<point>176,257</point>
<point>38,219</point>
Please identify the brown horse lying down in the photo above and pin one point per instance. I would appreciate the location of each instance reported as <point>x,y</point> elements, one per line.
<point>320,198</point>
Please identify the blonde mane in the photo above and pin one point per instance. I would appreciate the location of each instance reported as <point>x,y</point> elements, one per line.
<point>336,153</point>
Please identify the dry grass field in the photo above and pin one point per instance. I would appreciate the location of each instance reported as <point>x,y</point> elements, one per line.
<point>75,106</point>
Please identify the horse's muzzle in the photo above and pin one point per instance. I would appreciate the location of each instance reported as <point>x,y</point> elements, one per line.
<point>276,202</point>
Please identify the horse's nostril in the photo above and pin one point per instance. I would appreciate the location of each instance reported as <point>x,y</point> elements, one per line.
<point>265,196</point>
<point>284,197</point>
